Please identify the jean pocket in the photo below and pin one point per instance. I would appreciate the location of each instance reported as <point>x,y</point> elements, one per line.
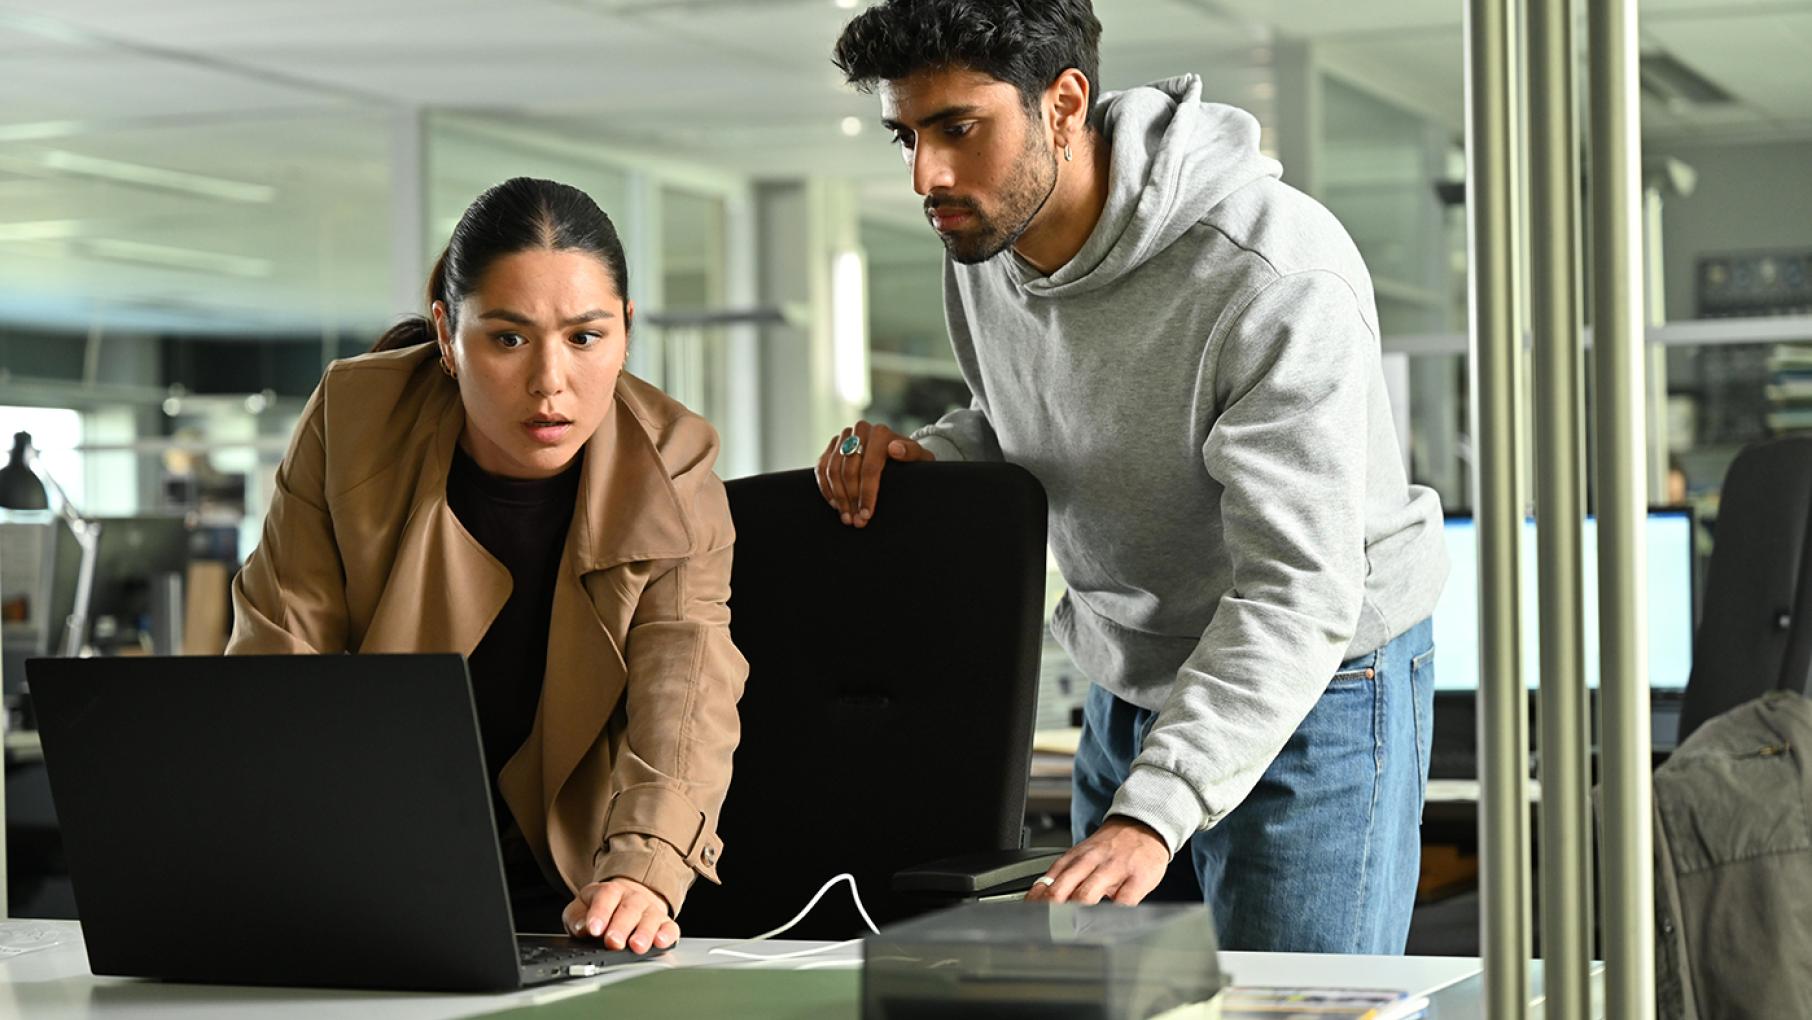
<point>1350,676</point>
<point>1423,663</point>
<point>1421,689</point>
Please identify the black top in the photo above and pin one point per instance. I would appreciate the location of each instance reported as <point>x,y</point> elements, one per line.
<point>523,523</point>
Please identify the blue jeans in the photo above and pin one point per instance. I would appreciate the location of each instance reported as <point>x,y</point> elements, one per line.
<point>1323,855</point>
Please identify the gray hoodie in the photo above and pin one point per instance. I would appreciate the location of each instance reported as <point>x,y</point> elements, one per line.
<point>1199,391</point>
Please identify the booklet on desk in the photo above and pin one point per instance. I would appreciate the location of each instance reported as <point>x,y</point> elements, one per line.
<point>1320,1004</point>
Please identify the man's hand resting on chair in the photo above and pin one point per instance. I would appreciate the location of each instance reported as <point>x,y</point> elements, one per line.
<point>849,469</point>
<point>1123,861</point>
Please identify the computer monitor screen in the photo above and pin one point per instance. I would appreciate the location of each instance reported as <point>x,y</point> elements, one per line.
<point>133,551</point>
<point>1668,543</point>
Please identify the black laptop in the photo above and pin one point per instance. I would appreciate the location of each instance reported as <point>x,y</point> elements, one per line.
<point>286,820</point>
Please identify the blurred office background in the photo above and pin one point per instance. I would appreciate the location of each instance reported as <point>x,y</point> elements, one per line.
<point>203,202</point>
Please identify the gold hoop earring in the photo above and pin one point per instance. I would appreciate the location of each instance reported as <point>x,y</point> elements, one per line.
<point>444,367</point>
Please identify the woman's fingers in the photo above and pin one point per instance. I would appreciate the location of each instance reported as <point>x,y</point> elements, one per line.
<point>622,913</point>
<point>573,917</point>
<point>603,907</point>
<point>668,935</point>
<point>642,938</point>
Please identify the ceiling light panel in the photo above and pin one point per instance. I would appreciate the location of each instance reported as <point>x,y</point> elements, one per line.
<point>142,175</point>
<point>1764,61</point>
<point>170,257</point>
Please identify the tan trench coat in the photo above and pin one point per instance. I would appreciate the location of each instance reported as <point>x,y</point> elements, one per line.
<point>626,767</point>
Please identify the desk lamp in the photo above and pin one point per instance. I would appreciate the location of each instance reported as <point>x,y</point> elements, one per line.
<point>22,488</point>
<point>19,486</point>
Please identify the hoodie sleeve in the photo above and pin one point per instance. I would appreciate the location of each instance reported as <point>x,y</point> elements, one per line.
<point>1291,381</point>
<point>965,433</point>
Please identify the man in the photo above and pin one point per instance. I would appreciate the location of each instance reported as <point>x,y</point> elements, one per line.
<point>1184,351</point>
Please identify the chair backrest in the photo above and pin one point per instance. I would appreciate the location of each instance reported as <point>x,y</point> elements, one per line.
<point>1755,633</point>
<point>888,716</point>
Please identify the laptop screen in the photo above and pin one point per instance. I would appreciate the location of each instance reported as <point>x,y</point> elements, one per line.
<point>1668,542</point>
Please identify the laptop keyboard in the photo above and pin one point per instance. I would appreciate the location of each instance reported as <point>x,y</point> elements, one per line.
<point>552,957</point>
<point>535,955</point>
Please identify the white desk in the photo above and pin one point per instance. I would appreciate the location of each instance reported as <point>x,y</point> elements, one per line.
<point>1449,791</point>
<point>53,983</point>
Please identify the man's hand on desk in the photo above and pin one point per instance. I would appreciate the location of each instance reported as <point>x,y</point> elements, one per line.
<point>624,913</point>
<point>1123,861</point>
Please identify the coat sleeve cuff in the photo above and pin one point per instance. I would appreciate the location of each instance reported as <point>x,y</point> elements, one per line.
<point>649,861</point>
<point>658,837</point>
<point>1163,800</point>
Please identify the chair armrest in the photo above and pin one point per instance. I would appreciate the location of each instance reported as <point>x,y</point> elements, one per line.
<point>991,873</point>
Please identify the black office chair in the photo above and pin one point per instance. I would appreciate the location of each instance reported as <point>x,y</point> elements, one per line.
<point>887,720</point>
<point>1755,634</point>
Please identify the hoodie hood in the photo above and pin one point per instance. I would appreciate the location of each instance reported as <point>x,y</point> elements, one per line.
<point>1172,159</point>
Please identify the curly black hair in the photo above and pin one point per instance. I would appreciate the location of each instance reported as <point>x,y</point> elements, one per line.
<point>1025,43</point>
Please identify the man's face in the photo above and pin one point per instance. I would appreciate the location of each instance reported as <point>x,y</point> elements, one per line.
<point>981,162</point>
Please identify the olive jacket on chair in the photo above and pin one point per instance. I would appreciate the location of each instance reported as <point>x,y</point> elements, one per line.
<point>627,764</point>
<point>1733,866</point>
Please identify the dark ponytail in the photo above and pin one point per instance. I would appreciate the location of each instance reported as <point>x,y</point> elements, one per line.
<point>521,214</point>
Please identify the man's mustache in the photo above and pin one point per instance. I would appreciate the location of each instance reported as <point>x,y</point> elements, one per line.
<point>948,202</point>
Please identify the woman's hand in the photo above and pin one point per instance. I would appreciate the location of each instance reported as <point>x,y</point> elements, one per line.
<point>623,912</point>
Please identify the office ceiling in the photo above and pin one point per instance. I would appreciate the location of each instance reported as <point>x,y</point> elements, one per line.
<point>224,165</point>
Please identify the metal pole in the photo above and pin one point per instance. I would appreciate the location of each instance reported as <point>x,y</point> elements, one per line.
<point>1555,297</point>
<point>408,212</point>
<point>1497,366</point>
<point>1617,319</point>
<point>1654,289</point>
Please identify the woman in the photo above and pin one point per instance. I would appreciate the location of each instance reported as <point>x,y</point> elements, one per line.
<point>490,482</point>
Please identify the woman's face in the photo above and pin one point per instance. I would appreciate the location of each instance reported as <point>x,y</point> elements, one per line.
<point>537,350</point>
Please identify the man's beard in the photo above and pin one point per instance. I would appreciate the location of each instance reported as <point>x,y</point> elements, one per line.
<point>1022,198</point>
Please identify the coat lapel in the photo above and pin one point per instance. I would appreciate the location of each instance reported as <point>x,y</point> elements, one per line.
<point>627,512</point>
<point>628,508</point>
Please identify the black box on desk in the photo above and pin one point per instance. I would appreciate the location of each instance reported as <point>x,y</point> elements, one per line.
<point>1047,961</point>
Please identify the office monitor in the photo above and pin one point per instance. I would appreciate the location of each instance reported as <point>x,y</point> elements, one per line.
<point>136,558</point>
<point>1668,545</point>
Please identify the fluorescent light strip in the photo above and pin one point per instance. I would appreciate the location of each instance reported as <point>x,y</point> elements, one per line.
<point>40,230</point>
<point>168,257</point>
<point>39,130</point>
<point>157,177</point>
<point>849,327</point>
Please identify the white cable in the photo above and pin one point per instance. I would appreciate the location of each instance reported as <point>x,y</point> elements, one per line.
<point>828,964</point>
<point>794,955</point>
<point>854,893</point>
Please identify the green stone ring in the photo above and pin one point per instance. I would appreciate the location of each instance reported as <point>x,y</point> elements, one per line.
<point>851,445</point>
